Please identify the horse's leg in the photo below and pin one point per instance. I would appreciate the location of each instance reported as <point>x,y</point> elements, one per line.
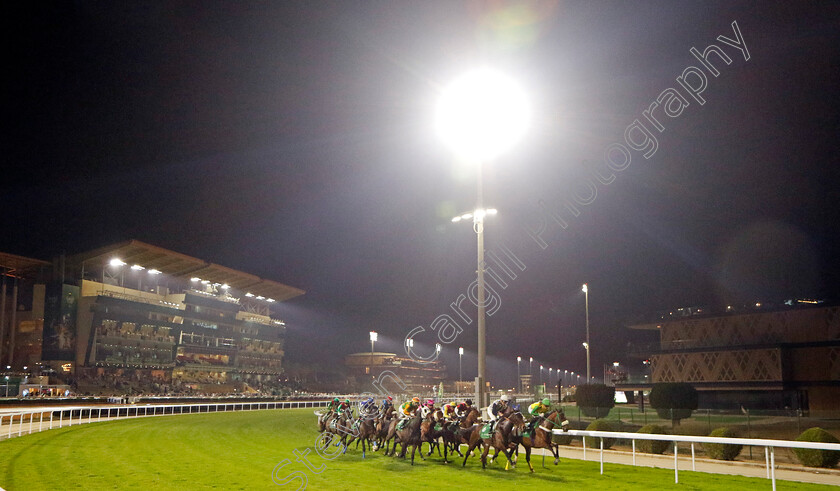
<point>470,448</point>
<point>414,449</point>
<point>528,457</point>
<point>555,449</point>
<point>484,452</point>
<point>509,454</point>
<point>445,448</point>
<point>456,446</point>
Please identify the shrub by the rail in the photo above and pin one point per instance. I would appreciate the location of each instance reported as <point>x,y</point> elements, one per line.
<point>722,451</point>
<point>817,458</point>
<point>600,425</point>
<point>653,446</point>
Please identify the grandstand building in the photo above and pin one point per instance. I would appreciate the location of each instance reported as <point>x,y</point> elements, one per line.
<point>418,377</point>
<point>135,312</point>
<point>786,358</point>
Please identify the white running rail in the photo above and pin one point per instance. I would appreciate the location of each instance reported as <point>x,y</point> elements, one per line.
<point>47,418</point>
<point>769,446</point>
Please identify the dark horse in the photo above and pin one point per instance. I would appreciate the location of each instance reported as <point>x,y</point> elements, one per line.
<point>507,428</point>
<point>338,425</point>
<point>410,436</point>
<point>364,431</point>
<point>541,438</point>
<point>470,418</point>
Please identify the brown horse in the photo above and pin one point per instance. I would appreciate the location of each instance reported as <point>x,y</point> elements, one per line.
<point>409,436</point>
<point>541,438</point>
<point>428,433</point>
<point>471,418</point>
<point>322,421</point>
<point>507,428</point>
<point>453,436</point>
<point>380,437</point>
<point>338,425</point>
<point>363,431</point>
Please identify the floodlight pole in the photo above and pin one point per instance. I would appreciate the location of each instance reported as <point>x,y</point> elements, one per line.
<point>588,344</point>
<point>478,226</point>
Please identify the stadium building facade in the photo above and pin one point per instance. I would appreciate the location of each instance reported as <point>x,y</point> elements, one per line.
<point>417,377</point>
<point>786,358</point>
<point>133,311</point>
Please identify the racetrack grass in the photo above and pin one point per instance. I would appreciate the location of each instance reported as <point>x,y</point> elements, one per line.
<point>240,450</point>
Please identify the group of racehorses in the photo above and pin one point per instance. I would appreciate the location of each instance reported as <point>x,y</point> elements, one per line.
<point>375,430</point>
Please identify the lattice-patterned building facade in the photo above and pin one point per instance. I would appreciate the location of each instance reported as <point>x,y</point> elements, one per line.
<point>788,358</point>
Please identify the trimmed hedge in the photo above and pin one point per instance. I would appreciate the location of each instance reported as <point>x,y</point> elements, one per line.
<point>561,439</point>
<point>817,458</point>
<point>595,400</point>
<point>722,451</point>
<point>653,446</point>
<point>673,400</point>
<point>600,425</point>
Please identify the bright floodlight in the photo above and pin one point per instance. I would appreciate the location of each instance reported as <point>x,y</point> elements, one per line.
<point>137,267</point>
<point>585,288</point>
<point>373,336</point>
<point>116,262</point>
<point>482,114</point>
<point>460,351</point>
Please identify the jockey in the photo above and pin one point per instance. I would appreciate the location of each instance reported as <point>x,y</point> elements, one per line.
<point>345,406</point>
<point>387,403</point>
<point>368,408</point>
<point>333,405</point>
<point>449,410</point>
<point>537,410</point>
<point>408,409</point>
<point>461,410</point>
<point>428,408</point>
<point>494,410</point>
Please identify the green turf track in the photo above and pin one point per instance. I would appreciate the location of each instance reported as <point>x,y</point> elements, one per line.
<point>239,450</point>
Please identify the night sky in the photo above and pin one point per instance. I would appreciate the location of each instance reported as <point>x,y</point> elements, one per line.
<point>295,141</point>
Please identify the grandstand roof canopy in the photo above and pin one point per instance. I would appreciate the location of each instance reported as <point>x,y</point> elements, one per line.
<point>19,266</point>
<point>179,265</point>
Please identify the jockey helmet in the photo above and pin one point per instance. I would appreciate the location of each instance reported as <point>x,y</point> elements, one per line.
<point>430,403</point>
<point>347,401</point>
<point>505,398</point>
<point>546,402</point>
<point>462,406</point>
<point>336,400</point>
<point>416,400</point>
<point>468,402</point>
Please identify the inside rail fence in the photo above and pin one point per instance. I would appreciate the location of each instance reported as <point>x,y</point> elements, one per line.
<point>769,446</point>
<point>35,420</point>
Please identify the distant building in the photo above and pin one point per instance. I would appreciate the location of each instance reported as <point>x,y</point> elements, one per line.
<point>20,329</point>
<point>419,378</point>
<point>761,360</point>
<point>135,311</point>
